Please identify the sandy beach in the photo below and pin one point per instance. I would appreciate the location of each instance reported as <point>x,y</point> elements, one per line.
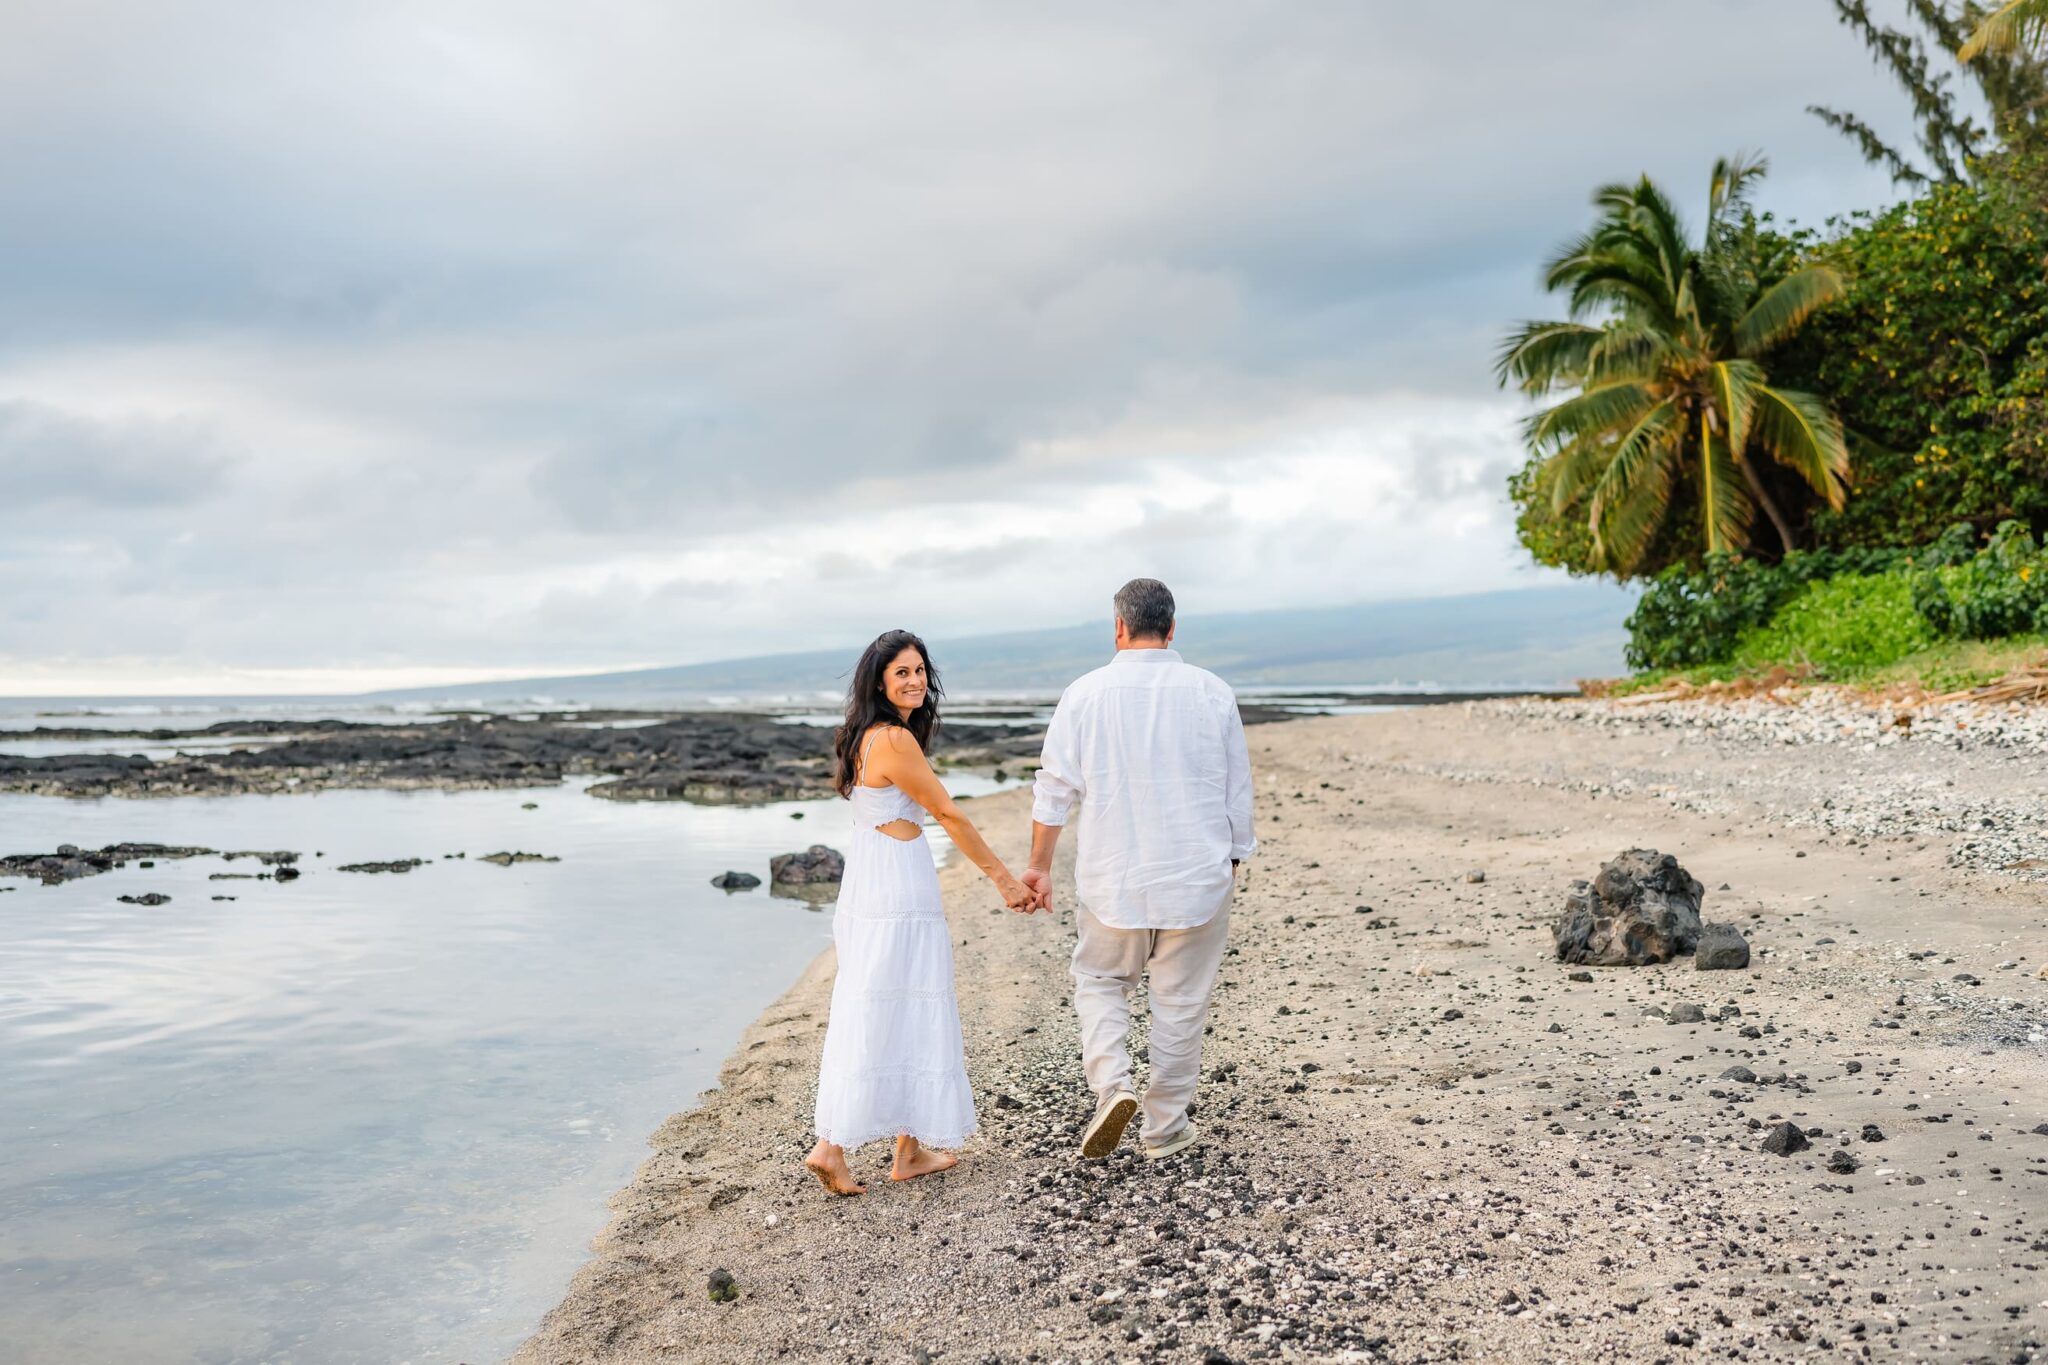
<point>1425,1140</point>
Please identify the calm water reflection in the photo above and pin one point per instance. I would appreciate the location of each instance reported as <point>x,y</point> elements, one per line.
<point>357,1117</point>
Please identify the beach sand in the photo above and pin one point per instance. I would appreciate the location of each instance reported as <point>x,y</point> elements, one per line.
<point>1423,1140</point>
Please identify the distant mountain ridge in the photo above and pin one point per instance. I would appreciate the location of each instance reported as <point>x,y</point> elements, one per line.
<point>1533,637</point>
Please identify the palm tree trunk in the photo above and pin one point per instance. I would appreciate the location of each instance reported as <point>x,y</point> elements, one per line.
<point>1764,499</point>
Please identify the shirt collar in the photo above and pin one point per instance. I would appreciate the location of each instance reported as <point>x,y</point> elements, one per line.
<point>1165,656</point>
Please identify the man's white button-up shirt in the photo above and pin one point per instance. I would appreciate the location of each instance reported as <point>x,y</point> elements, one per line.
<point>1147,756</point>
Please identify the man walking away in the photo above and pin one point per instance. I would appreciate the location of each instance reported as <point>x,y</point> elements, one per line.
<point>1147,756</point>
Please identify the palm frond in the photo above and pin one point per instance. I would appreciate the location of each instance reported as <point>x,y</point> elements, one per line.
<point>1732,178</point>
<point>1633,493</point>
<point>2018,24</point>
<point>1801,433</point>
<point>1724,497</point>
<point>1539,356</point>
<point>1736,383</point>
<point>1785,307</point>
<point>1632,350</point>
<point>1602,409</point>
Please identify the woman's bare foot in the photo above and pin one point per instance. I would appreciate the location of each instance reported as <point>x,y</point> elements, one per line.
<point>914,1159</point>
<point>828,1163</point>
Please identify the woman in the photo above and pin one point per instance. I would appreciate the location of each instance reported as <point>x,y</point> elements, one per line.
<point>893,1062</point>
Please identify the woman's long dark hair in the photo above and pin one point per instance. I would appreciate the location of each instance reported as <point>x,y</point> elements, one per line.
<point>868,705</point>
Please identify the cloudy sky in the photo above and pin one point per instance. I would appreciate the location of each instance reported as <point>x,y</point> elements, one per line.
<point>380,344</point>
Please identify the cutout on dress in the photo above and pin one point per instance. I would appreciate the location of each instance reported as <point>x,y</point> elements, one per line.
<point>916,831</point>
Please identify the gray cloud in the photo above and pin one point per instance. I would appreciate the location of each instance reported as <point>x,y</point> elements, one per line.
<point>48,455</point>
<point>512,315</point>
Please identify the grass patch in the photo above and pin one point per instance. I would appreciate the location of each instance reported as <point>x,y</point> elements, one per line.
<point>1844,629</point>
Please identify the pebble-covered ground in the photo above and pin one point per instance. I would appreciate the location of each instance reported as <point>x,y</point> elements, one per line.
<point>1427,1140</point>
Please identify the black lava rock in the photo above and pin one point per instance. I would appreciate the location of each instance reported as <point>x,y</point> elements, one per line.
<point>1784,1140</point>
<point>816,864</point>
<point>735,881</point>
<point>723,1288</point>
<point>1721,948</point>
<point>1641,908</point>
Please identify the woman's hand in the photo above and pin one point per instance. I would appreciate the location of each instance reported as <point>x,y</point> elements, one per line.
<point>1015,894</point>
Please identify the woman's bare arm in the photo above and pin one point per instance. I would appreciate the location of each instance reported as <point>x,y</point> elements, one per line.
<point>897,758</point>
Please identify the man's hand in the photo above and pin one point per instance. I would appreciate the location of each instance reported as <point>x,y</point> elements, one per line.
<point>1039,882</point>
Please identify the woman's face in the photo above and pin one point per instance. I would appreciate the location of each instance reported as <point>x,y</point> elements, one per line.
<point>903,681</point>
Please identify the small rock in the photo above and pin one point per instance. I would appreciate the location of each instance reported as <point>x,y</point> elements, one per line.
<point>1687,1014</point>
<point>1739,1073</point>
<point>395,865</point>
<point>1477,874</point>
<point>1721,948</point>
<point>146,898</point>
<point>507,859</point>
<point>1841,1162</point>
<point>735,881</point>
<point>1580,976</point>
<point>1784,1139</point>
<point>813,866</point>
<point>1872,1133</point>
<point>723,1288</point>
<point>286,874</point>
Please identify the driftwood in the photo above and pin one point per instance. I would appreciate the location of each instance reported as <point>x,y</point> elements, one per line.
<point>2029,684</point>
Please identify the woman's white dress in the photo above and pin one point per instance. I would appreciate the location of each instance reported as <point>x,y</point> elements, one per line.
<point>893,1060</point>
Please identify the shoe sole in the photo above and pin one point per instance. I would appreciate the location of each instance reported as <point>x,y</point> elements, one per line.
<point>1108,1130</point>
<point>1181,1142</point>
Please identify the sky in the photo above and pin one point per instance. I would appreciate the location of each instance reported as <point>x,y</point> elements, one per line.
<point>390,344</point>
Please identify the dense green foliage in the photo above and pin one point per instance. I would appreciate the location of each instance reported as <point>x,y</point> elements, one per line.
<point>1693,616</point>
<point>1842,612</point>
<point>1938,361</point>
<point>2002,592</point>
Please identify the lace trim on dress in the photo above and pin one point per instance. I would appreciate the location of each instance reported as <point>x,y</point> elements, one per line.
<point>849,1141</point>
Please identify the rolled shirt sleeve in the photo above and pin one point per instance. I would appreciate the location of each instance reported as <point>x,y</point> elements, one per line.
<point>1058,784</point>
<point>1237,786</point>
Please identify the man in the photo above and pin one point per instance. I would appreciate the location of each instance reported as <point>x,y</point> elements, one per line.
<point>1147,756</point>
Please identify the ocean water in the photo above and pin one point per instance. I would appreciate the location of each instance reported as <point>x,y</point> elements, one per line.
<point>358,1117</point>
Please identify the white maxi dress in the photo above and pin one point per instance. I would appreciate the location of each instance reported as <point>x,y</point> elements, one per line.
<point>893,1060</point>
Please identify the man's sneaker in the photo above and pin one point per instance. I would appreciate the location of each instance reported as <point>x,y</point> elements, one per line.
<point>1178,1142</point>
<point>1106,1129</point>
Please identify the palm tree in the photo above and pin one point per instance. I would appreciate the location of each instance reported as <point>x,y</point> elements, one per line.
<point>1665,348</point>
<point>2016,24</point>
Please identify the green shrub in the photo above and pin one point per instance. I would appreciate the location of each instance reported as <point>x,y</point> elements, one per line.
<point>1998,593</point>
<point>1841,627</point>
<point>1689,617</point>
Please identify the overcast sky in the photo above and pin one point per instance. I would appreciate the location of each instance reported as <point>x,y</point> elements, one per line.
<point>378,344</point>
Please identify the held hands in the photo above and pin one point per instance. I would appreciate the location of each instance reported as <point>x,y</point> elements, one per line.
<point>1016,894</point>
<point>1040,885</point>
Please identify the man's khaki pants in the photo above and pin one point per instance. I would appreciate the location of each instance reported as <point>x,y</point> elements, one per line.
<point>1107,966</point>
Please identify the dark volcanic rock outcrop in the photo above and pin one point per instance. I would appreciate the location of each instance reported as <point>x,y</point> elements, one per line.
<point>1642,908</point>
<point>70,861</point>
<point>737,757</point>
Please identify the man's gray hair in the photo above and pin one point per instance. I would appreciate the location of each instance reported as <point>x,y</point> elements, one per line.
<point>1145,606</point>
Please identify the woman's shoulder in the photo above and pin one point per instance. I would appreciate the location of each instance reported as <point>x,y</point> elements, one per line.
<point>895,739</point>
